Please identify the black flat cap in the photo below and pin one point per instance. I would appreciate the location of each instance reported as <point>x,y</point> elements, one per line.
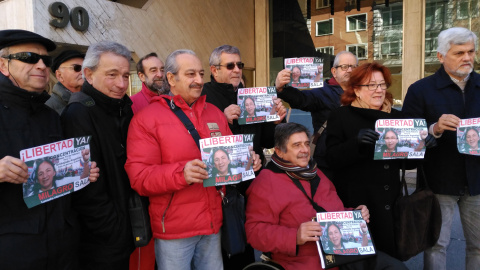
<point>65,56</point>
<point>17,36</point>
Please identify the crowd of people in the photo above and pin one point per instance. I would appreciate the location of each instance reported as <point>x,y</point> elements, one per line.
<point>141,143</point>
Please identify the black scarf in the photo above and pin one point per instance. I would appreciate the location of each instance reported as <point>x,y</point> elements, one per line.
<point>296,172</point>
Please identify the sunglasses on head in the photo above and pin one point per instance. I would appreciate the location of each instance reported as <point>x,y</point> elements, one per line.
<point>231,65</point>
<point>30,58</point>
<point>75,67</point>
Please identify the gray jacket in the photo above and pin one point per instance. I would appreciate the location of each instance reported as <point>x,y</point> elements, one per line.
<point>59,98</point>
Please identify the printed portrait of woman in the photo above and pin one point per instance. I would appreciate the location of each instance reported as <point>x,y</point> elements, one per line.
<point>221,160</point>
<point>336,241</point>
<point>249,107</point>
<point>471,138</point>
<point>391,141</point>
<point>45,176</point>
<point>296,73</point>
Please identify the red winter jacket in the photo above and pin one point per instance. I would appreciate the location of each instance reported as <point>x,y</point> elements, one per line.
<point>142,99</point>
<point>158,147</point>
<point>275,210</point>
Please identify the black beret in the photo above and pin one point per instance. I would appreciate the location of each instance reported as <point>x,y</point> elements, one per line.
<point>17,36</point>
<point>65,56</point>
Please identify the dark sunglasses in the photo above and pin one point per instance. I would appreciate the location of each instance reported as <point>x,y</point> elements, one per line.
<point>75,67</point>
<point>231,66</point>
<point>30,58</point>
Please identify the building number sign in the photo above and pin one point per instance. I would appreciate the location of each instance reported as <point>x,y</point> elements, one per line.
<point>78,17</point>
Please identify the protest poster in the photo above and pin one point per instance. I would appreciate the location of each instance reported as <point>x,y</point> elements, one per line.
<point>228,159</point>
<point>257,105</point>
<point>400,138</point>
<point>55,169</point>
<point>345,238</point>
<point>307,72</point>
<point>468,136</point>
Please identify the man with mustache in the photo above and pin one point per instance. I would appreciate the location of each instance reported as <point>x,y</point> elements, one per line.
<point>164,163</point>
<point>150,70</point>
<point>319,101</point>
<point>451,94</point>
<point>67,68</point>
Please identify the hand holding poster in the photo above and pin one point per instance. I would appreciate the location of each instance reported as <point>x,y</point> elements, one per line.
<point>307,72</point>
<point>468,136</point>
<point>400,138</point>
<point>228,159</point>
<point>56,169</point>
<point>345,238</point>
<point>257,105</point>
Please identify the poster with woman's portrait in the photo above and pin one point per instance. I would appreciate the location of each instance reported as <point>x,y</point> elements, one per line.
<point>468,136</point>
<point>229,159</point>
<point>257,105</point>
<point>343,233</point>
<point>307,72</point>
<point>56,169</point>
<point>400,138</point>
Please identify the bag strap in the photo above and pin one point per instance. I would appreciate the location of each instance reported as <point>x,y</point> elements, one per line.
<point>185,120</point>
<point>313,185</point>
<point>403,182</point>
<point>319,133</point>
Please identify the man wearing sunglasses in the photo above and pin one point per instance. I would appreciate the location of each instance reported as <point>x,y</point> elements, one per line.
<point>39,237</point>
<point>319,101</point>
<point>226,68</point>
<point>67,67</point>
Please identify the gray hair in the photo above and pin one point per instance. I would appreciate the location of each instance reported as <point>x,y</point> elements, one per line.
<point>4,51</point>
<point>171,66</point>
<point>337,58</point>
<point>284,131</point>
<point>456,36</point>
<point>95,51</point>
<point>217,53</point>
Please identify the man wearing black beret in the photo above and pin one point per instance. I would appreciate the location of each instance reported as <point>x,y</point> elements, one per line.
<point>67,67</point>
<point>45,236</point>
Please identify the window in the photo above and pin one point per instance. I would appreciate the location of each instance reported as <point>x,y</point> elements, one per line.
<point>357,22</point>
<point>392,15</point>
<point>326,50</point>
<point>360,50</point>
<point>435,15</point>
<point>323,4</point>
<point>467,9</point>
<point>431,43</point>
<point>391,50</point>
<point>325,27</point>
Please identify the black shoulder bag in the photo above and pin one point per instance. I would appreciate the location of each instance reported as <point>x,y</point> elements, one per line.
<point>417,218</point>
<point>234,238</point>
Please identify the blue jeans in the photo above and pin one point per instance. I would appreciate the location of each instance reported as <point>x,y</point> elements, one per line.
<point>202,252</point>
<point>469,207</point>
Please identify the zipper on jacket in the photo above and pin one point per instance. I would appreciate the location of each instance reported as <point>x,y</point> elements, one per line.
<point>165,212</point>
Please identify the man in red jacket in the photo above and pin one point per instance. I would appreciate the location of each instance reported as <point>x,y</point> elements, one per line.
<point>164,163</point>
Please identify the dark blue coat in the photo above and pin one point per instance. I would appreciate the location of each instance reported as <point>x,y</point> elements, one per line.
<point>447,171</point>
<point>320,102</point>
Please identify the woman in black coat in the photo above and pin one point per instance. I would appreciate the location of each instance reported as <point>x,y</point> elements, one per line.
<point>350,149</point>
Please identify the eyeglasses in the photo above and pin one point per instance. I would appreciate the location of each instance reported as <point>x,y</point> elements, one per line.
<point>75,67</point>
<point>231,65</point>
<point>374,86</point>
<point>30,58</point>
<point>345,67</point>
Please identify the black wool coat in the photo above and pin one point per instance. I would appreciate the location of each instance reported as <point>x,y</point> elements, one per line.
<point>357,177</point>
